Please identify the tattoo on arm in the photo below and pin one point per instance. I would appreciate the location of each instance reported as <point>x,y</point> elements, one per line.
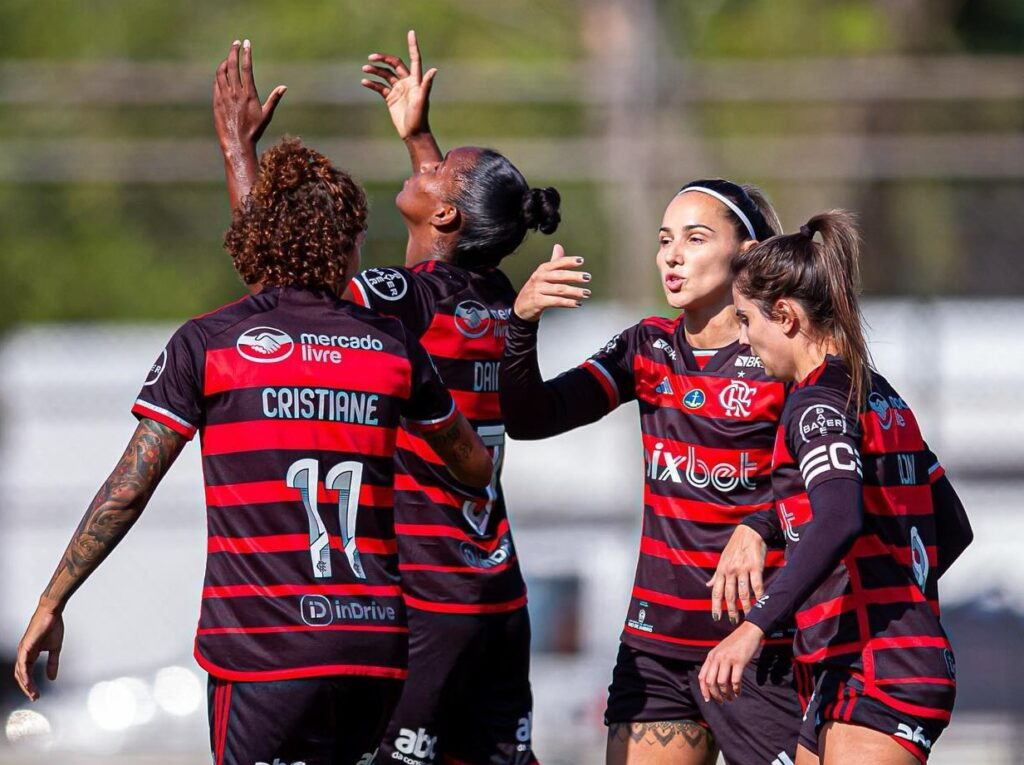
<point>452,440</point>
<point>679,734</point>
<point>116,507</point>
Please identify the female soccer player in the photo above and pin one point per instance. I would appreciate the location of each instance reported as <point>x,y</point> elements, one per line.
<point>869,519</point>
<point>708,415</point>
<point>297,397</point>
<point>468,696</point>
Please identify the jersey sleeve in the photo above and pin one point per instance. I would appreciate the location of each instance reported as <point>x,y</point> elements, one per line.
<point>535,408</point>
<point>172,393</point>
<point>612,367</point>
<point>397,292</point>
<point>823,435</point>
<point>430,406</point>
<point>952,526</point>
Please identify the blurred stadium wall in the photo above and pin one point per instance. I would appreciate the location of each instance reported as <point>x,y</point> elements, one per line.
<point>910,112</point>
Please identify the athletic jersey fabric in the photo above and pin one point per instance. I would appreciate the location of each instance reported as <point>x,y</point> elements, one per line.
<point>297,398</point>
<point>707,438</point>
<point>455,543</point>
<point>872,606</point>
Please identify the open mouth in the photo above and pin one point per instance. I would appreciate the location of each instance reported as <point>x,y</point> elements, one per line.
<point>674,282</point>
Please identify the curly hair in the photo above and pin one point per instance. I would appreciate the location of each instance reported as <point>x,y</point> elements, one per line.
<point>300,224</point>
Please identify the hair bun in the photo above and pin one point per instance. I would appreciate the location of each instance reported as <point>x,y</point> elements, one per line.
<point>540,209</point>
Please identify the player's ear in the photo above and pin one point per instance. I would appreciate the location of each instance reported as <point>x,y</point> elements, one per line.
<point>785,313</point>
<point>446,217</point>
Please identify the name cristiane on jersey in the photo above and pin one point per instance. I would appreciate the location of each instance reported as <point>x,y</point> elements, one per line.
<point>354,407</point>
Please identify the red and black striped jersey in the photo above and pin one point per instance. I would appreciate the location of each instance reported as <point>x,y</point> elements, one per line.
<point>707,438</point>
<point>297,398</point>
<point>877,612</point>
<point>455,543</point>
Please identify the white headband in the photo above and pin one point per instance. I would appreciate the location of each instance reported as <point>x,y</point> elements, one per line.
<point>727,202</point>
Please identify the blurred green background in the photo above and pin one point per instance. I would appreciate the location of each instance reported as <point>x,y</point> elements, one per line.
<point>112,203</point>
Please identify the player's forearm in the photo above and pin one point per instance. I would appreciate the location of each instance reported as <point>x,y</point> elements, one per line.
<point>242,170</point>
<point>837,508</point>
<point>462,451</point>
<point>114,509</point>
<point>422,149</point>
<point>535,408</point>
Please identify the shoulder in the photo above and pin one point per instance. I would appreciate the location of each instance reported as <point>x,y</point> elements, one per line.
<point>818,410</point>
<point>390,283</point>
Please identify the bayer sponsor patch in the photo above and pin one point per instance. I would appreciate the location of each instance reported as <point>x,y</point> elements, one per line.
<point>821,420</point>
<point>385,283</point>
<point>157,369</point>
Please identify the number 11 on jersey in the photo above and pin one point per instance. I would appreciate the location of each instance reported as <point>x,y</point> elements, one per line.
<point>346,478</point>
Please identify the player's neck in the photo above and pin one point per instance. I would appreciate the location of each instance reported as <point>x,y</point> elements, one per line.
<point>423,246</point>
<point>712,327</point>
<point>810,354</point>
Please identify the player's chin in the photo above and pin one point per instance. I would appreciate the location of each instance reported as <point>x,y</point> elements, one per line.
<point>676,300</point>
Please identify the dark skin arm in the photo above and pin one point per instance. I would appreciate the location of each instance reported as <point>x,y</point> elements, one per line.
<point>114,510</point>
<point>240,119</point>
<point>463,452</point>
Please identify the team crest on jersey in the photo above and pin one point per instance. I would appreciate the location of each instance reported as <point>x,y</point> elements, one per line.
<point>737,398</point>
<point>820,420</point>
<point>157,369</point>
<point>694,399</point>
<point>265,345</point>
<point>472,319</point>
<point>386,283</point>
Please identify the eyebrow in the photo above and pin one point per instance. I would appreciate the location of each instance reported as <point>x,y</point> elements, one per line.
<point>692,226</point>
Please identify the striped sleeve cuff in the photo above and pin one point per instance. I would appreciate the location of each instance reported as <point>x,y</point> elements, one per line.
<point>604,379</point>
<point>428,426</point>
<point>359,296</point>
<point>935,472</point>
<point>166,417</point>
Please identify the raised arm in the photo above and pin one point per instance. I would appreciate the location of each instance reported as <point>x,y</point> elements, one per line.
<point>406,91</point>
<point>532,407</point>
<point>114,510</point>
<point>240,119</point>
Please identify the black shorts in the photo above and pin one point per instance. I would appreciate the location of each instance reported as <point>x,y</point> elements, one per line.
<point>840,696</point>
<point>316,721</point>
<point>760,726</point>
<point>468,698</point>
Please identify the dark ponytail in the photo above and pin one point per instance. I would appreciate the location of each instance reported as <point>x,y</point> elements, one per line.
<point>498,207</point>
<point>823,276</point>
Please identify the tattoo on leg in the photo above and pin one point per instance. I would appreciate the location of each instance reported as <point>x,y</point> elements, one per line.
<point>678,733</point>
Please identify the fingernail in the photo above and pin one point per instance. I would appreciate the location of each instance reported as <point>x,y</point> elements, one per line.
<point>579,261</point>
<point>579,304</point>
<point>585,277</point>
<point>716,617</point>
<point>246,44</point>
<point>236,43</point>
<point>586,293</point>
<point>733,620</point>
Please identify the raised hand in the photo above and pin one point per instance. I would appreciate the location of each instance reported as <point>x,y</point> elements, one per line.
<point>238,114</point>
<point>406,90</point>
<point>551,286</point>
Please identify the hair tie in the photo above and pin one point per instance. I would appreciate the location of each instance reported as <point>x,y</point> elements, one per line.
<point>806,231</point>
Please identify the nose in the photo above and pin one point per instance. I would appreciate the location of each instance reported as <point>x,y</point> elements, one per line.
<point>428,167</point>
<point>674,254</point>
<point>744,339</point>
